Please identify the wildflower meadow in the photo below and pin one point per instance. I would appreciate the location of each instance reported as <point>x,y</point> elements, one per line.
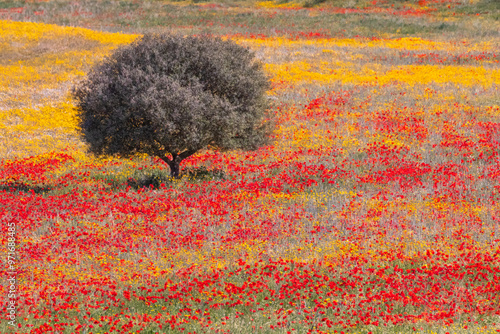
<point>374,210</point>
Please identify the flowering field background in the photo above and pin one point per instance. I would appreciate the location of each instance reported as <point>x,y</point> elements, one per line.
<point>376,209</point>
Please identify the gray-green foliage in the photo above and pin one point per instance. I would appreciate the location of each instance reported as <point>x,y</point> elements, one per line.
<point>170,96</point>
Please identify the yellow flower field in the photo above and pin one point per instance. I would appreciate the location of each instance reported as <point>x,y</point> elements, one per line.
<point>374,209</point>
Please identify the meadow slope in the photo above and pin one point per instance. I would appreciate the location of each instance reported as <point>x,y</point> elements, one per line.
<point>375,209</point>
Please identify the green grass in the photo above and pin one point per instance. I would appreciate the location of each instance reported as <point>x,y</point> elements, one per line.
<point>241,17</point>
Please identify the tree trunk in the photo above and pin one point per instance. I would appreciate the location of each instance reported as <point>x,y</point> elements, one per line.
<point>175,168</point>
<point>175,163</point>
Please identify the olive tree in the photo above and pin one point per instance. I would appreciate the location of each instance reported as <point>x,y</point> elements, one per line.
<point>170,96</point>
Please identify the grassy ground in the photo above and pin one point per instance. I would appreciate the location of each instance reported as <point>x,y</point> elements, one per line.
<point>447,19</point>
<point>374,210</point>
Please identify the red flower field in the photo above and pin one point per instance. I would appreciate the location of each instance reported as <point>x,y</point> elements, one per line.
<point>375,209</point>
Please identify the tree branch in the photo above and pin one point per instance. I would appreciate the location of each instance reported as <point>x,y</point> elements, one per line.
<point>162,154</point>
<point>165,159</point>
<point>187,153</point>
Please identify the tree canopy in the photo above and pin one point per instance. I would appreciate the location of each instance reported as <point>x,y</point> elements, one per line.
<point>170,96</point>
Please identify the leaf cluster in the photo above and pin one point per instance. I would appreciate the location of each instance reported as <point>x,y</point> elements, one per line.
<point>167,94</point>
